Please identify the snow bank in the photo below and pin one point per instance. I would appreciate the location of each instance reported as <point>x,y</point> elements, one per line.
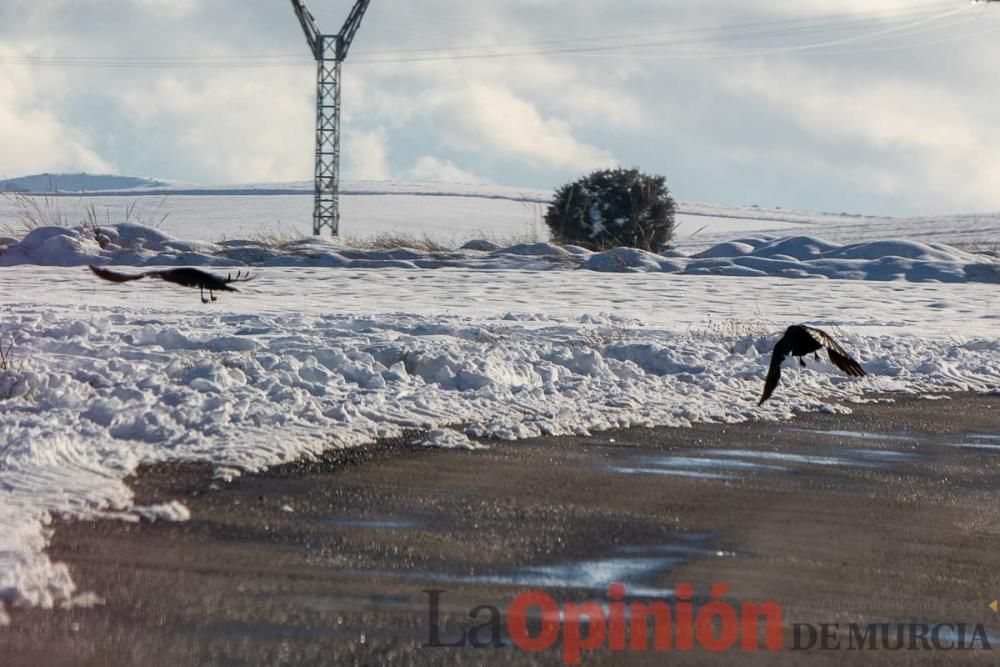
<point>789,257</point>
<point>809,257</point>
<point>104,389</point>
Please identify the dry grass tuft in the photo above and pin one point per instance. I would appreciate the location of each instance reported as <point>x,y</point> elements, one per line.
<point>8,360</point>
<point>394,241</point>
<point>32,211</point>
<point>988,248</point>
<point>12,382</point>
<point>730,331</point>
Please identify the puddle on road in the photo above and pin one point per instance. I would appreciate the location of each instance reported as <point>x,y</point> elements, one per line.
<point>979,441</point>
<point>980,446</point>
<point>634,570</point>
<point>859,435</point>
<point>695,467</point>
<point>731,464</point>
<point>983,441</point>
<point>883,455</point>
<point>691,474</point>
<point>696,544</point>
<point>375,522</point>
<point>637,567</point>
<point>696,462</point>
<point>949,633</point>
<point>802,459</point>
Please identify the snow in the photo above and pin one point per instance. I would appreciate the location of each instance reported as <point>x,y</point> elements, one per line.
<point>808,257</point>
<point>115,376</point>
<point>791,257</point>
<point>47,183</point>
<point>335,347</point>
<point>452,212</point>
<point>457,212</point>
<point>446,438</point>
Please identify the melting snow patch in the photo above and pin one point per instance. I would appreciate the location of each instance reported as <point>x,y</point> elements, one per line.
<point>446,438</point>
<point>172,511</point>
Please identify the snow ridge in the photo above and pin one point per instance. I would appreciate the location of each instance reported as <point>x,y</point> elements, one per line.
<point>763,255</point>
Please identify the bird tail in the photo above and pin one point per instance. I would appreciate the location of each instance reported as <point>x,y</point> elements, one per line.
<point>114,276</point>
<point>240,277</point>
<point>773,376</point>
<point>846,364</point>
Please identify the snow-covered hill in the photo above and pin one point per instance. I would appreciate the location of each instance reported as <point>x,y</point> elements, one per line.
<point>449,212</point>
<point>77,183</point>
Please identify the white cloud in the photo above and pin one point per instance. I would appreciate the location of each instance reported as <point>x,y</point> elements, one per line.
<point>367,156</point>
<point>33,135</point>
<point>44,143</point>
<point>491,119</point>
<point>229,126</point>
<point>929,141</point>
<point>430,168</point>
<point>174,9</point>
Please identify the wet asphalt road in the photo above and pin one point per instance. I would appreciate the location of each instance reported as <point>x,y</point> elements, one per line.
<point>888,515</point>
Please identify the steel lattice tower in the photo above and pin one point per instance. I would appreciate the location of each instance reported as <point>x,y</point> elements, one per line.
<point>329,51</point>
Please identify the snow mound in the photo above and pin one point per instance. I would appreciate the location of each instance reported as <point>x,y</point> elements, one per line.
<point>82,182</point>
<point>728,249</point>
<point>446,438</point>
<point>795,247</point>
<point>623,259</point>
<point>789,257</point>
<point>808,257</point>
<point>534,249</point>
<point>481,245</point>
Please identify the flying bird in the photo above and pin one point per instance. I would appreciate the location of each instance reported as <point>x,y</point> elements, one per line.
<point>184,277</point>
<point>800,340</point>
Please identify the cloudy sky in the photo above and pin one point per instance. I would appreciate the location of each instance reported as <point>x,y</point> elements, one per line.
<point>872,106</point>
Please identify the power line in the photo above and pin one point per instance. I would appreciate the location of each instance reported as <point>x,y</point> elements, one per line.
<point>905,21</point>
<point>573,50</point>
<point>851,19</point>
<point>833,51</point>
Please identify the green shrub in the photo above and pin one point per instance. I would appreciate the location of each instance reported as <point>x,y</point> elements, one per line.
<point>613,208</point>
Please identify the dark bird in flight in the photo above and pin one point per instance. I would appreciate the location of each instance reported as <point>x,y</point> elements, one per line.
<point>184,277</point>
<point>800,340</point>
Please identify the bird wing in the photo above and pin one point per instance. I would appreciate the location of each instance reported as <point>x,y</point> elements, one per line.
<point>116,277</point>
<point>846,363</point>
<point>838,355</point>
<point>781,350</point>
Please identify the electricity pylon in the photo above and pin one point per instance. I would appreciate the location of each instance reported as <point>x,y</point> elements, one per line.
<point>329,51</point>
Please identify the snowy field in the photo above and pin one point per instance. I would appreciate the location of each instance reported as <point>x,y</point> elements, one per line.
<point>334,347</point>
<point>459,212</point>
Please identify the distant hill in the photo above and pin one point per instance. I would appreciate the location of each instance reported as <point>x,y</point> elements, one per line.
<point>42,183</point>
<point>104,185</point>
